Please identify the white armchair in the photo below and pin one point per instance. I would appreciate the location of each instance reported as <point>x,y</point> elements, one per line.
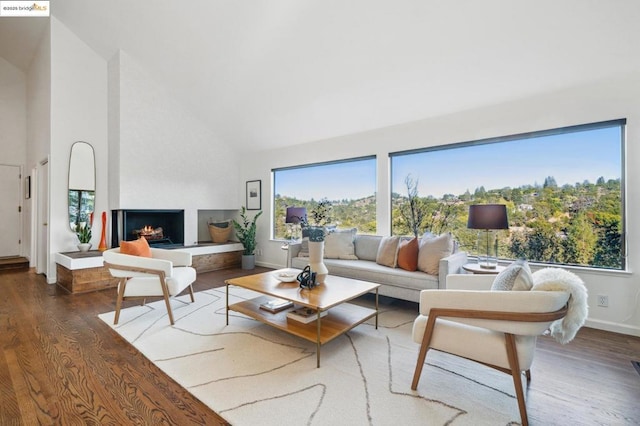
<point>166,274</point>
<point>495,328</point>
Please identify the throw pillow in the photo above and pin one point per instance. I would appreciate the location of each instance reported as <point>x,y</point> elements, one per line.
<point>387,251</point>
<point>408,254</point>
<point>139,247</point>
<point>338,244</point>
<point>304,247</point>
<point>516,277</point>
<point>431,250</point>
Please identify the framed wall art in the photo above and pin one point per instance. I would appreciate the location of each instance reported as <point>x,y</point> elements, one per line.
<point>254,195</point>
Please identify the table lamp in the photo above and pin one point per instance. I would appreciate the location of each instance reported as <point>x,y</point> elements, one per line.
<point>295,216</point>
<point>488,217</point>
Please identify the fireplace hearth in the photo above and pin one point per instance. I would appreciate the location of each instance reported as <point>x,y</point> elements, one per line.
<point>161,228</point>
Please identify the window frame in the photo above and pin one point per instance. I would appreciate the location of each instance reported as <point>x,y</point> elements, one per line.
<point>274,171</point>
<point>536,134</point>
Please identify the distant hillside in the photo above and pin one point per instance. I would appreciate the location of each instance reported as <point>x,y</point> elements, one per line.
<point>577,224</point>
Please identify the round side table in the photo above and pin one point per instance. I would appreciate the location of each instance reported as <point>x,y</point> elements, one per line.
<point>474,268</point>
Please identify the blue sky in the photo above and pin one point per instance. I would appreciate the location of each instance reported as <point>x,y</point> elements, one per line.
<point>336,181</point>
<point>569,158</point>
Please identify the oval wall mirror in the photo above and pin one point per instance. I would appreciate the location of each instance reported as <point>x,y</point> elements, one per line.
<point>82,184</point>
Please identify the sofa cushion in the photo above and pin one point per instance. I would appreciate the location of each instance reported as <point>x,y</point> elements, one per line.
<point>388,251</point>
<point>367,270</point>
<point>431,250</point>
<point>304,247</point>
<point>367,246</point>
<point>408,254</point>
<point>515,277</point>
<point>338,244</point>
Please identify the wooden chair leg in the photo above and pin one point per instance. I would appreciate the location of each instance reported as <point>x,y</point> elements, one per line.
<point>165,292</point>
<point>422,355</point>
<point>121,286</point>
<point>512,355</point>
<point>191,293</point>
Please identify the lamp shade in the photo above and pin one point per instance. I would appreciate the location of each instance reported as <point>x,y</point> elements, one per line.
<point>296,214</point>
<point>488,216</point>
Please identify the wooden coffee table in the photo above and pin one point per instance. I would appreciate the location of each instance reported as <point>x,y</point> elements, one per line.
<point>330,296</point>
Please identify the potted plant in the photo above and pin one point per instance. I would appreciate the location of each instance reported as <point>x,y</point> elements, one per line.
<point>246,233</point>
<point>320,216</point>
<point>83,232</point>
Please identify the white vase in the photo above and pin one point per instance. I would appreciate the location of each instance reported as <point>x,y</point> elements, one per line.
<point>316,255</point>
<point>84,246</point>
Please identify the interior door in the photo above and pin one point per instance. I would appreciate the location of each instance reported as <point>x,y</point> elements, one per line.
<point>10,208</point>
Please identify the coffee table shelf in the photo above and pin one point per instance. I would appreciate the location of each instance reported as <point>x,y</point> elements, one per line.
<point>338,320</point>
<point>330,297</point>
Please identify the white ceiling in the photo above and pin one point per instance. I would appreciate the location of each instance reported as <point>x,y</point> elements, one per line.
<point>274,73</point>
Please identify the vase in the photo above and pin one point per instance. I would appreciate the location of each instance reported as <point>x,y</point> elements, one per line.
<point>84,246</point>
<point>103,238</point>
<point>316,256</point>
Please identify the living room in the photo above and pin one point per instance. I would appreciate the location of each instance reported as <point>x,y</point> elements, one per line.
<point>155,148</point>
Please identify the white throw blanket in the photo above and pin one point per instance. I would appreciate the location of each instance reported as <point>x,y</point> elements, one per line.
<point>556,279</point>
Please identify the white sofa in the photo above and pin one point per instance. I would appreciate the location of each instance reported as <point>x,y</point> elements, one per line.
<point>396,282</point>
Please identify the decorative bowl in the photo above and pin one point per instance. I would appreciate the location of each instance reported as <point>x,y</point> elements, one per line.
<point>286,276</point>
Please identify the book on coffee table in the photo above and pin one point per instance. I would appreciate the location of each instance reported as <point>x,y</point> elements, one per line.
<point>305,315</point>
<point>276,305</point>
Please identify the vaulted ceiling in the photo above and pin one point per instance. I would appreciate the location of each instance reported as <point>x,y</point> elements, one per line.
<point>280,72</point>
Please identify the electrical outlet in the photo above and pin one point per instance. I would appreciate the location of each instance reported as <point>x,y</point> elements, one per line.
<point>258,252</point>
<point>603,300</point>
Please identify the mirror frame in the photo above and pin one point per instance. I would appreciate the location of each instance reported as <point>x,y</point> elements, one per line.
<point>81,184</point>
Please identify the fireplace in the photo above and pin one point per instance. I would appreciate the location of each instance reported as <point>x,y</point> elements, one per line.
<point>161,228</point>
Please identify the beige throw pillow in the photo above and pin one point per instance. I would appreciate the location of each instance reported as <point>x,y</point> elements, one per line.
<point>516,277</point>
<point>339,244</point>
<point>432,249</point>
<point>387,251</point>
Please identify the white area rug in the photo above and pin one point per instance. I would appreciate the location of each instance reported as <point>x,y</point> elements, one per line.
<point>253,374</point>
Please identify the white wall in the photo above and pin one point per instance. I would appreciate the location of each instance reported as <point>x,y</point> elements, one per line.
<point>619,98</point>
<point>78,113</point>
<point>38,131</point>
<point>163,156</point>
<point>13,137</point>
<point>13,114</point>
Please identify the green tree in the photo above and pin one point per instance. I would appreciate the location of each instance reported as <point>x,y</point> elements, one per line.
<point>580,244</point>
<point>540,243</point>
<point>480,192</point>
<point>413,211</point>
<point>608,251</point>
<point>550,182</point>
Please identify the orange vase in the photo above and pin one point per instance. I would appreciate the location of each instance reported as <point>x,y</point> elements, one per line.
<point>103,238</point>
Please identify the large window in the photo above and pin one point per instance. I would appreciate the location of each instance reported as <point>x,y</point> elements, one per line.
<point>563,190</point>
<point>349,186</point>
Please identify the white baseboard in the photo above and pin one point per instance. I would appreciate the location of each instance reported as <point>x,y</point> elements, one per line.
<point>615,327</point>
<point>270,265</point>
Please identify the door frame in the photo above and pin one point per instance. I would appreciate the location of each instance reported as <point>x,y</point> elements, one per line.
<point>40,201</point>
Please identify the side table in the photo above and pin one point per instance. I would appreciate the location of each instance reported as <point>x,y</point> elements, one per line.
<point>474,268</point>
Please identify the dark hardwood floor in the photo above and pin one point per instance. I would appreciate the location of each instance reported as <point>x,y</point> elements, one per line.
<point>60,364</point>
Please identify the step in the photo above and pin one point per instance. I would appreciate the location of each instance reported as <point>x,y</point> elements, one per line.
<point>14,263</point>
